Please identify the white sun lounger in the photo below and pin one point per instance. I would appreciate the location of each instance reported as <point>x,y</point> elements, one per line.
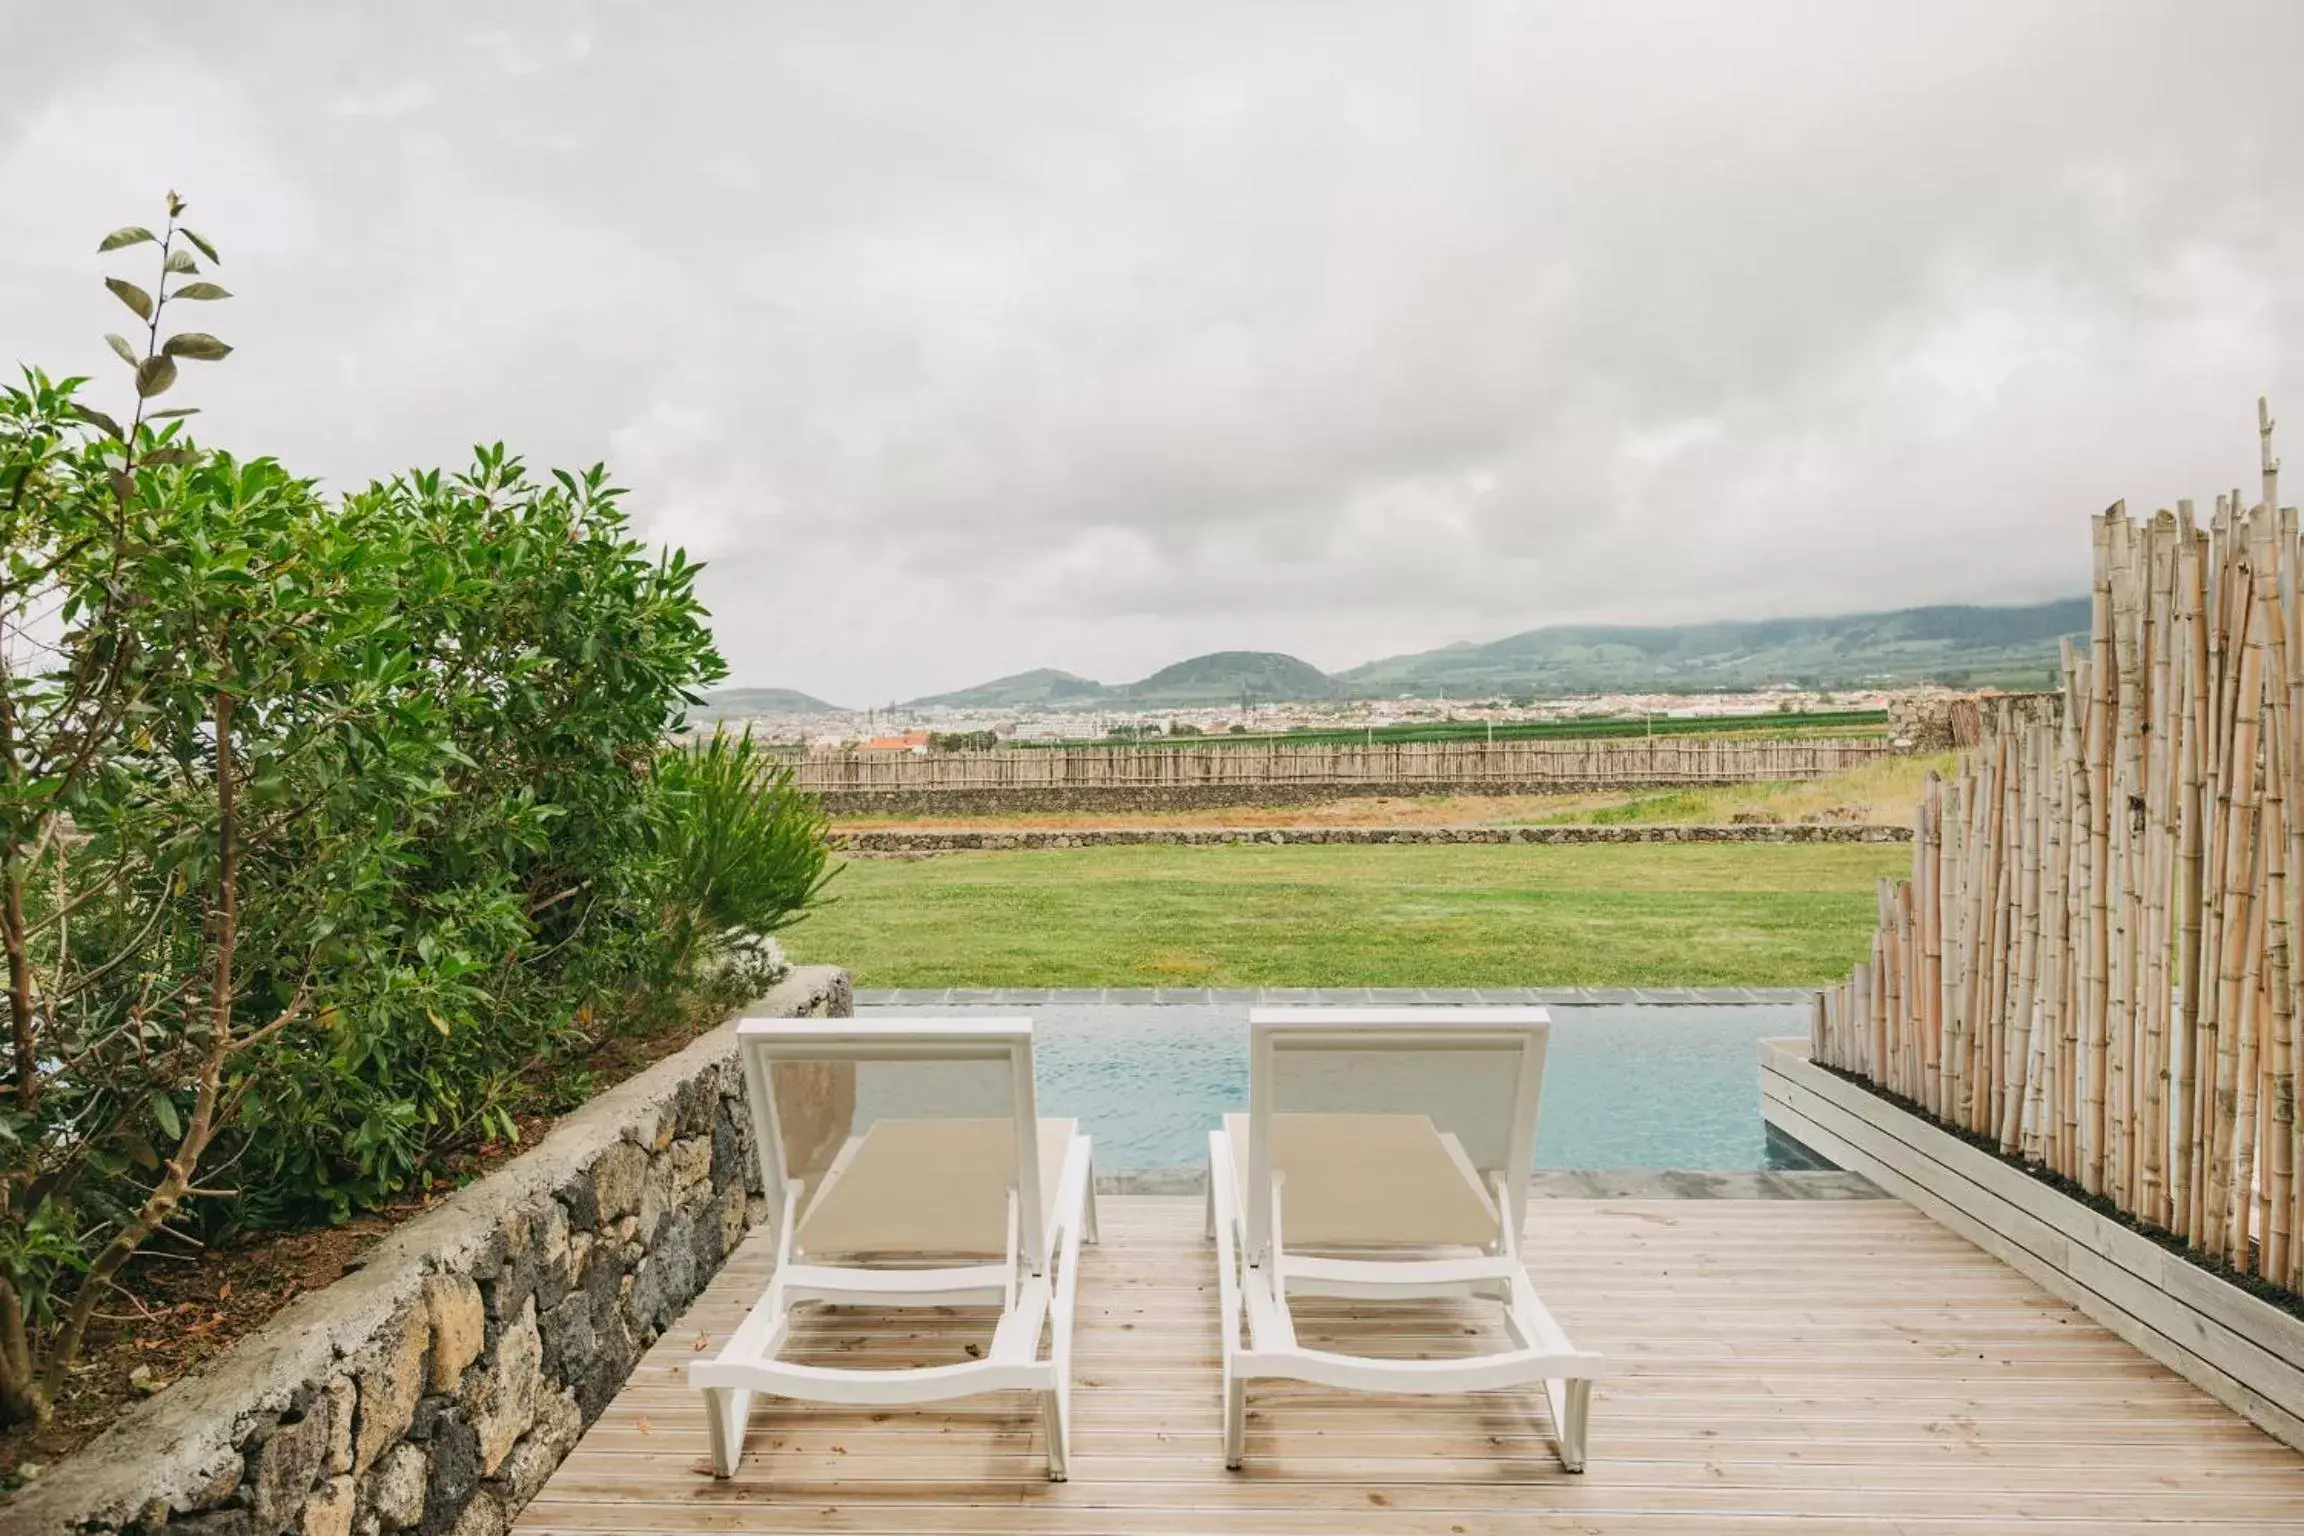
<point>1323,1189</point>
<point>912,1213</point>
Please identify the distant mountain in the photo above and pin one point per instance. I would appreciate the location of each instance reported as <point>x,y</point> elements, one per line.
<point>2013,646</point>
<point>1042,686</point>
<point>1225,677</point>
<point>1218,678</point>
<point>744,703</point>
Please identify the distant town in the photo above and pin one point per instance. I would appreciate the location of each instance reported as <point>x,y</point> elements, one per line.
<point>1540,681</point>
<point>918,727</point>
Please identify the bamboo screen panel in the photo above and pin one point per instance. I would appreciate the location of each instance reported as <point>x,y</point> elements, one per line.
<point>2092,962</point>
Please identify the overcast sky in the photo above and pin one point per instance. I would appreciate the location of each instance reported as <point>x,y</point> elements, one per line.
<point>965,338</point>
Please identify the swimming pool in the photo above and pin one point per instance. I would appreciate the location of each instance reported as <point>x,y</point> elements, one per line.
<point>1630,1087</point>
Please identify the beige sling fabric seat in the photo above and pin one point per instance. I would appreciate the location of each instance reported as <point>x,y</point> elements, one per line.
<point>929,1187</point>
<point>1351,1181</point>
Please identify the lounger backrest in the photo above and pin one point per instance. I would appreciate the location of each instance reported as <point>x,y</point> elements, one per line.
<point>801,1079</point>
<point>1478,1072</point>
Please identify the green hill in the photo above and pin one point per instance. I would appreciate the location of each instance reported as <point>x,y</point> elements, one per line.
<point>1224,677</point>
<point>744,703</point>
<point>1042,686</point>
<point>2014,646</point>
<point>1219,678</point>
<point>2010,647</point>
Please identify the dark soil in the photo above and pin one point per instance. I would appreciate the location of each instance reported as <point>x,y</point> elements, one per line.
<point>178,1308</point>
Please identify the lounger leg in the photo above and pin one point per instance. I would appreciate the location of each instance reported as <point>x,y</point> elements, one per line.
<point>727,1411</point>
<point>1091,1230</point>
<point>1211,1203</point>
<point>1056,1414</point>
<point>1574,1423</point>
<point>1235,1420</point>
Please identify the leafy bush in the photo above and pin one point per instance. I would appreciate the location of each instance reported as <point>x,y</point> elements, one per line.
<point>555,654</point>
<point>325,827</point>
<point>740,851</point>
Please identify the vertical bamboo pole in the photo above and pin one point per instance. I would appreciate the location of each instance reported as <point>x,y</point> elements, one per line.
<point>2032,816</point>
<point>2218,682</point>
<point>2161,731</point>
<point>2055,871</point>
<point>1931,947</point>
<point>2098,745</point>
<point>2237,797</point>
<point>2275,558</point>
<point>2123,886</point>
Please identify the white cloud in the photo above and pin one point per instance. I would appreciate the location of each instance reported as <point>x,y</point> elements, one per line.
<point>963,343</point>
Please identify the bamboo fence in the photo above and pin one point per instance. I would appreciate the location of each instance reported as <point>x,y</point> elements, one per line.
<point>1606,761</point>
<point>2091,963</point>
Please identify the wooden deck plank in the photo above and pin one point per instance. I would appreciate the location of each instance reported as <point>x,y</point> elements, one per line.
<point>1826,1366</point>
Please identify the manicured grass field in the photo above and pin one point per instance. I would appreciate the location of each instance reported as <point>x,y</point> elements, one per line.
<point>1504,915</point>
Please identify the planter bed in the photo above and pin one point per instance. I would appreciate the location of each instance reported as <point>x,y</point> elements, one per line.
<point>2242,1350</point>
<point>437,1385</point>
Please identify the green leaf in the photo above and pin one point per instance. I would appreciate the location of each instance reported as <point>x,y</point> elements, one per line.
<point>154,375</point>
<point>96,418</point>
<point>169,456</point>
<point>164,1111</point>
<point>197,345</point>
<point>171,412</point>
<point>132,296</point>
<point>126,234</point>
<point>206,249</point>
<point>180,261</point>
<point>201,291</point>
<point>120,345</point>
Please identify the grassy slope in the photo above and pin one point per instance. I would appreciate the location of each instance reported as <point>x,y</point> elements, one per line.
<point>1344,916</point>
<point>1885,790</point>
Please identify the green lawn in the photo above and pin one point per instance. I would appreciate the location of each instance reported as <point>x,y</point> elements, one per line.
<point>1473,915</point>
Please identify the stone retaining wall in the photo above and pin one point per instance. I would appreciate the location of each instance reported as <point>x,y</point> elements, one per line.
<point>916,840</point>
<point>1194,797</point>
<point>437,1386</point>
<point>1944,720</point>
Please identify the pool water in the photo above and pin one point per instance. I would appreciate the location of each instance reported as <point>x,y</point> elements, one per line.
<point>1634,1087</point>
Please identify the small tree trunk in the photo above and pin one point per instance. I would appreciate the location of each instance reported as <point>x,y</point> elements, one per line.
<point>20,1394</point>
<point>176,1178</point>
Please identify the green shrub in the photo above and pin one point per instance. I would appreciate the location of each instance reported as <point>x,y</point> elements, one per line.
<point>740,852</point>
<point>556,654</point>
<point>328,829</point>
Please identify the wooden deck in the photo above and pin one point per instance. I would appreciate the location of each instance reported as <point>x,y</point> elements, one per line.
<point>1787,1365</point>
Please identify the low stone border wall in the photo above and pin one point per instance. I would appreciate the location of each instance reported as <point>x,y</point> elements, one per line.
<point>914,840</point>
<point>438,1385</point>
<point>1195,797</point>
<point>2242,1351</point>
